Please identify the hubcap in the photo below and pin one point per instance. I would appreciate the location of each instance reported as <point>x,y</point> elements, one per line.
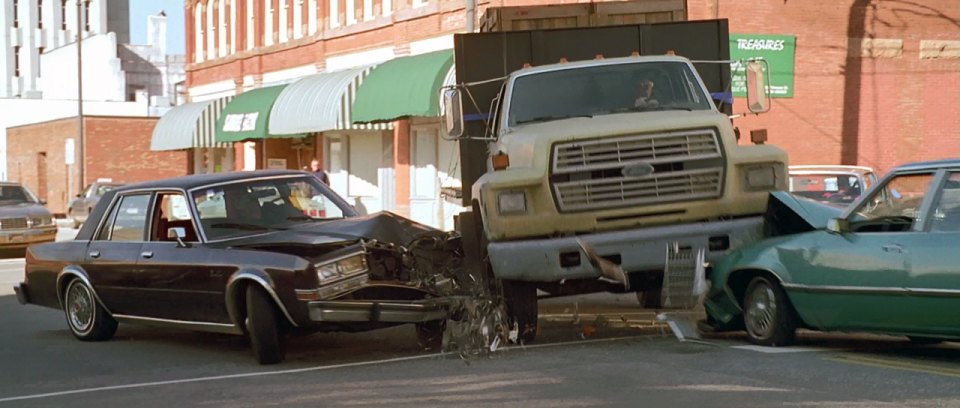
<point>80,308</point>
<point>761,308</point>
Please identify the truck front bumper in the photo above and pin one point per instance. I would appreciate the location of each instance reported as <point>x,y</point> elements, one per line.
<point>388,311</point>
<point>641,249</point>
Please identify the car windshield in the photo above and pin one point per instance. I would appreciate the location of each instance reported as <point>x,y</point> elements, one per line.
<point>256,206</point>
<point>15,195</point>
<point>605,89</point>
<point>829,188</point>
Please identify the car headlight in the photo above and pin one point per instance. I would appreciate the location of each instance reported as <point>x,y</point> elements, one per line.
<point>342,268</point>
<point>761,177</point>
<point>511,202</point>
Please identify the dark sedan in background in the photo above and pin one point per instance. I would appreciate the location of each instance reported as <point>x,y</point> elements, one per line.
<point>82,205</point>
<point>23,218</point>
<point>247,254</point>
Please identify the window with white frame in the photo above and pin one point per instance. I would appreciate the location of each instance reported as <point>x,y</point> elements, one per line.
<point>312,17</point>
<point>334,13</point>
<point>351,12</point>
<point>267,22</point>
<point>367,10</point>
<point>297,18</point>
<point>251,25</point>
<point>222,29</point>
<point>211,31</point>
<point>284,12</point>
<point>234,5</point>
<point>199,31</point>
<point>420,3</point>
<point>387,7</point>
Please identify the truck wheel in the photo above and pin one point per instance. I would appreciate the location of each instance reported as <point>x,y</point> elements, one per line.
<point>430,334</point>
<point>650,299</point>
<point>262,326</point>
<point>88,321</point>
<point>521,301</point>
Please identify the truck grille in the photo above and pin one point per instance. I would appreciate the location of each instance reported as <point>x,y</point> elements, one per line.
<point>590,175</point>
<point>13,223</point>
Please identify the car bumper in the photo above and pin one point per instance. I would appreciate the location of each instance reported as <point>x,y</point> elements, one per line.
<point>23,238</point>
<point>387,311</point>
<point>642,249</point>
<point>22,295</point>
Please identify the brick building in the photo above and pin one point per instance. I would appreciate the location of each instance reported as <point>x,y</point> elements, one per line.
<point>872,83</point>
<point>116,147</point>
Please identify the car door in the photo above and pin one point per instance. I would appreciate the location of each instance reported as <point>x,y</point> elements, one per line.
<point>183,282</point>
<point>934,279</point>
<point>112,255</point>
<point>858,279</point>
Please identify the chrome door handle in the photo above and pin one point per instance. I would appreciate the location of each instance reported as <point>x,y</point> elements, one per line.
<point>94,254</point>
<point>893,248</point>
<point>147,254</point>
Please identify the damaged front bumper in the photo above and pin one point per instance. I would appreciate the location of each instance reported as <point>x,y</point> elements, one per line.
<point>385,311</point>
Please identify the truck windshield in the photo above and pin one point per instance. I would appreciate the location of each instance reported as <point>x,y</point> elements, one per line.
<point>605,89</point>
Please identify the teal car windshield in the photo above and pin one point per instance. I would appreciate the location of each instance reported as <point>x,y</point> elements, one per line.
<point>605,89</point>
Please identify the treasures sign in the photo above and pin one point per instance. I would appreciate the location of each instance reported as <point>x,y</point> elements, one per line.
<point>779,52</point>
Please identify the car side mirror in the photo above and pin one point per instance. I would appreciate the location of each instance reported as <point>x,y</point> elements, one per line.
<point>452,113</point>
<point>838,225</point>
<point>758,98</point>
<point>178,233</point>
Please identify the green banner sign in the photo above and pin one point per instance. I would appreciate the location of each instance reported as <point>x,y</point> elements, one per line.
<point>778,50</point>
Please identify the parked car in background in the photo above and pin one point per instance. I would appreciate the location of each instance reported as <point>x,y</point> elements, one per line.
<point>886,264</point>
<point>840,185</point>
<point>80,206</point>
<point>23,218</point>
<point>246,253</point>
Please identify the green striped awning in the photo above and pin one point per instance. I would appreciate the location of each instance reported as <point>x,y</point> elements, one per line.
<point>189,126</point>
<point>405,86</point>
<point>247,115</point>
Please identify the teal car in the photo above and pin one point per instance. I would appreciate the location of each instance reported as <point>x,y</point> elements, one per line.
<point>886,264</point>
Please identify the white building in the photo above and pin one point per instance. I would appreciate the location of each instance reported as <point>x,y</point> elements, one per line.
<point>38,61</point>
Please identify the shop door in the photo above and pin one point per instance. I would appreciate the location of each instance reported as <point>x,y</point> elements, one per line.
<point>424,186</point>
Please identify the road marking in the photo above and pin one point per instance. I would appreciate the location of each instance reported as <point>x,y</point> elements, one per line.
<point>291,371</point>
<point>780,350</point>
<point>897,364</point>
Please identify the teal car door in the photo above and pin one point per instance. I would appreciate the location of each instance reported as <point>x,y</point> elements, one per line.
<point>857,279</point>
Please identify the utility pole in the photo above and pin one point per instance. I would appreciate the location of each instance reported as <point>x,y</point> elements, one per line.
<point>80,137</point>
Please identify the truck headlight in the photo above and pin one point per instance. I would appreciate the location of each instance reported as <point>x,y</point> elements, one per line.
<point>511,202</point>
<point>761,177</point>
<point>342,268</point>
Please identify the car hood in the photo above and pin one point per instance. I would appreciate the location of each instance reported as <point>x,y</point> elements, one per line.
<point>382,226</point>
<point>23,210</point>
<point>814,213</point>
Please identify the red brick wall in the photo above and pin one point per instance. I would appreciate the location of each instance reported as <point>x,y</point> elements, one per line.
<point>116,147</point>
<point>877,112</point>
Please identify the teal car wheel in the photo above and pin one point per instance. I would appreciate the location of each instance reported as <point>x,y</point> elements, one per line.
<point>767,314</point>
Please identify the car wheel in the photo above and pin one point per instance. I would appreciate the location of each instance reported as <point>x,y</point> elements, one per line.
<point>767,314</point>
<point>521,301</point>
<point>262,326</point>
<point>924,340</point>
<point>430,334</point>
<point>88,321</point>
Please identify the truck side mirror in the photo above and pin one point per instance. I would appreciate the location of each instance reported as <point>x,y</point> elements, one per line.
<point>758,99</point>
<point>838,225</point>
<point>452,113</point>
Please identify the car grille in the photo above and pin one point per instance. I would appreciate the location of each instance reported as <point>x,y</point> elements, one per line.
<point>590,175</point>
<point>13,223</point>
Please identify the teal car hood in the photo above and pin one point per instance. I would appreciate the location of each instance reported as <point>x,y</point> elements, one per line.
<point>814,213</point>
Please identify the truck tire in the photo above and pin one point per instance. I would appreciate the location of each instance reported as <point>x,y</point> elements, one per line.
<point>521,301</point>
<point>262,326</point>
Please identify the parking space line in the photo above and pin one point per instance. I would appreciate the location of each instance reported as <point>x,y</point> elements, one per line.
<point>780,350</point>
<point>897,365</point>
<point>290,371</point>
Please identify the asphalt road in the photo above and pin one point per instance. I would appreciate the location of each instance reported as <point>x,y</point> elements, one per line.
<point>598,350</point>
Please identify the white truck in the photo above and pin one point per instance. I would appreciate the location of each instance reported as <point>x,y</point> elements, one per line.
<point>590,173</point>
